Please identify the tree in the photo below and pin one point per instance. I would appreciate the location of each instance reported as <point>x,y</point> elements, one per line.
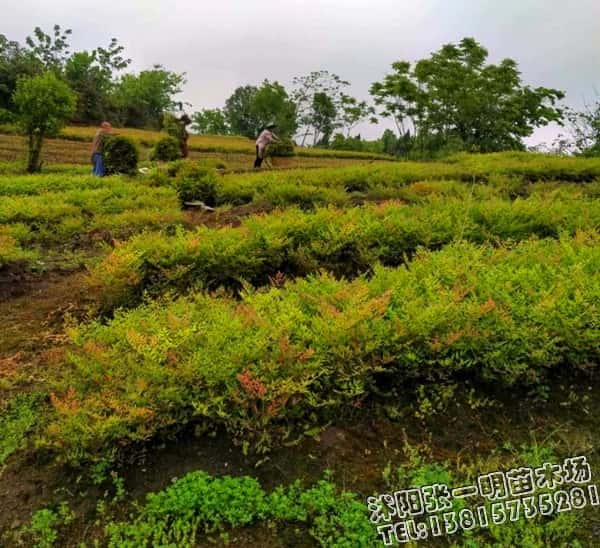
<point>354,112</point>
<point>389,142</point>
<point>250,108</point>
<point>323,118</point>
<point>239,114</point>
<point>271,104</point>
<point>310,111</point>
<point>583,128</point>
<point>134,99</point>
<point>143,98</point>
<point>92,75</point>
<point>15,61</point>
<point>455,97</point>
<point>52,51</point>
<point>210,121</point>
<point>43,104</point>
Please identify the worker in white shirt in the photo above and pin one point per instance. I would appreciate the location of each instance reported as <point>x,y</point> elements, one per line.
<point>265,138</point>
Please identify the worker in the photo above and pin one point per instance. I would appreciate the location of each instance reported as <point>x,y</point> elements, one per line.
<point>97,159</point>
<point>185,121</point>
<point>264,140</point>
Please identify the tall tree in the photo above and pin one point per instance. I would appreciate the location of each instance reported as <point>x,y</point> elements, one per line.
<point>323,118</point>
<point>583,127</point>
<point>238,111</point>
<point>271,104</point>
<point>15,61</point>
<point>43,104</point>
<point>310,111</point>
<point>93,76</point>
<point>143,98</point>
<point>51,50</point>
<point>454,95</point>
<point>210,121</point>
<point>250,108</point>
<point>354,112</point>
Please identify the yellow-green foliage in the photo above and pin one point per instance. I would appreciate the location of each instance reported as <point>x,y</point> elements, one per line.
<point>345,242</point>
<point>31,185</point>
<point>295,355</point>
<point>53,209</point>
<point>11,251</point>
<point>16,420</point>
<point>335,185</point>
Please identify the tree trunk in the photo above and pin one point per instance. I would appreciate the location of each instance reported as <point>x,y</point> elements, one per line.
<point>34,164</point>
<point>305,136</point>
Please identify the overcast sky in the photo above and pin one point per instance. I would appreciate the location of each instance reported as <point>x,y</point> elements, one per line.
<point>222,44</point>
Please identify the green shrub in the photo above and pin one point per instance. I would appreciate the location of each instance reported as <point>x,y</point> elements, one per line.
<point>299,354</point>
<point>20,416</point>
<point>194,181</point>
<point>7,117</point>
<point>43,528</point>
<point>344,242</point>
<point>199,187</point>
<point>43,211</point>
<point>120,155</point>
<point>199,503</point>
<point>167,149</point>
<point>282,148</point>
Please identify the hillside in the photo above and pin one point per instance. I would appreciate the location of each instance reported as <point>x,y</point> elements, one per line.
<point>250,376</point>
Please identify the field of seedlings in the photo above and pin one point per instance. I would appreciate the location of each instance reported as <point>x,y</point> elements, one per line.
<point>73,146</point>
<point>258,375</point>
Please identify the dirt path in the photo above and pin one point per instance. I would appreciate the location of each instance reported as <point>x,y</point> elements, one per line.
<point>35,318</point>
<point>32,329</point>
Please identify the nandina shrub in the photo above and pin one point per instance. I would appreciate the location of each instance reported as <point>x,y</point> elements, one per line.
<point>192,180</point>
<point>345,242</point>
<point>198,184</point>
<point>120,155</point>
<point>167,149</point>
<point>298,355</point>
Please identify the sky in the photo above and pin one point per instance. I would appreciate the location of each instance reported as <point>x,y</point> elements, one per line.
<point>223,44</point>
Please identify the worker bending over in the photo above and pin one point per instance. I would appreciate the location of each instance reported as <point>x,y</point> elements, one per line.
<point>264,140</point>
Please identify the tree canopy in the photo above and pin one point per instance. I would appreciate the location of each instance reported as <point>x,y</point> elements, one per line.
<point>583,131</point>
<point>43,105</point>
<point>456,96</point>
<point>250,109</point>
<point>455,99</point>
<point>97,77</point>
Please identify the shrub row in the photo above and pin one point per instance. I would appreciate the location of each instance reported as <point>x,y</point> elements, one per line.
<point>295,356</point>
<point>30,185</point>
<point>16,168</point>
<point>116,209</point>
<point>333,185</point>
<point>344,242</point>
<point>342,186</point>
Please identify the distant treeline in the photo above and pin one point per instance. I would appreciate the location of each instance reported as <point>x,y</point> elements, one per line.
<point>454,100</point>
<point>104,90</point>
